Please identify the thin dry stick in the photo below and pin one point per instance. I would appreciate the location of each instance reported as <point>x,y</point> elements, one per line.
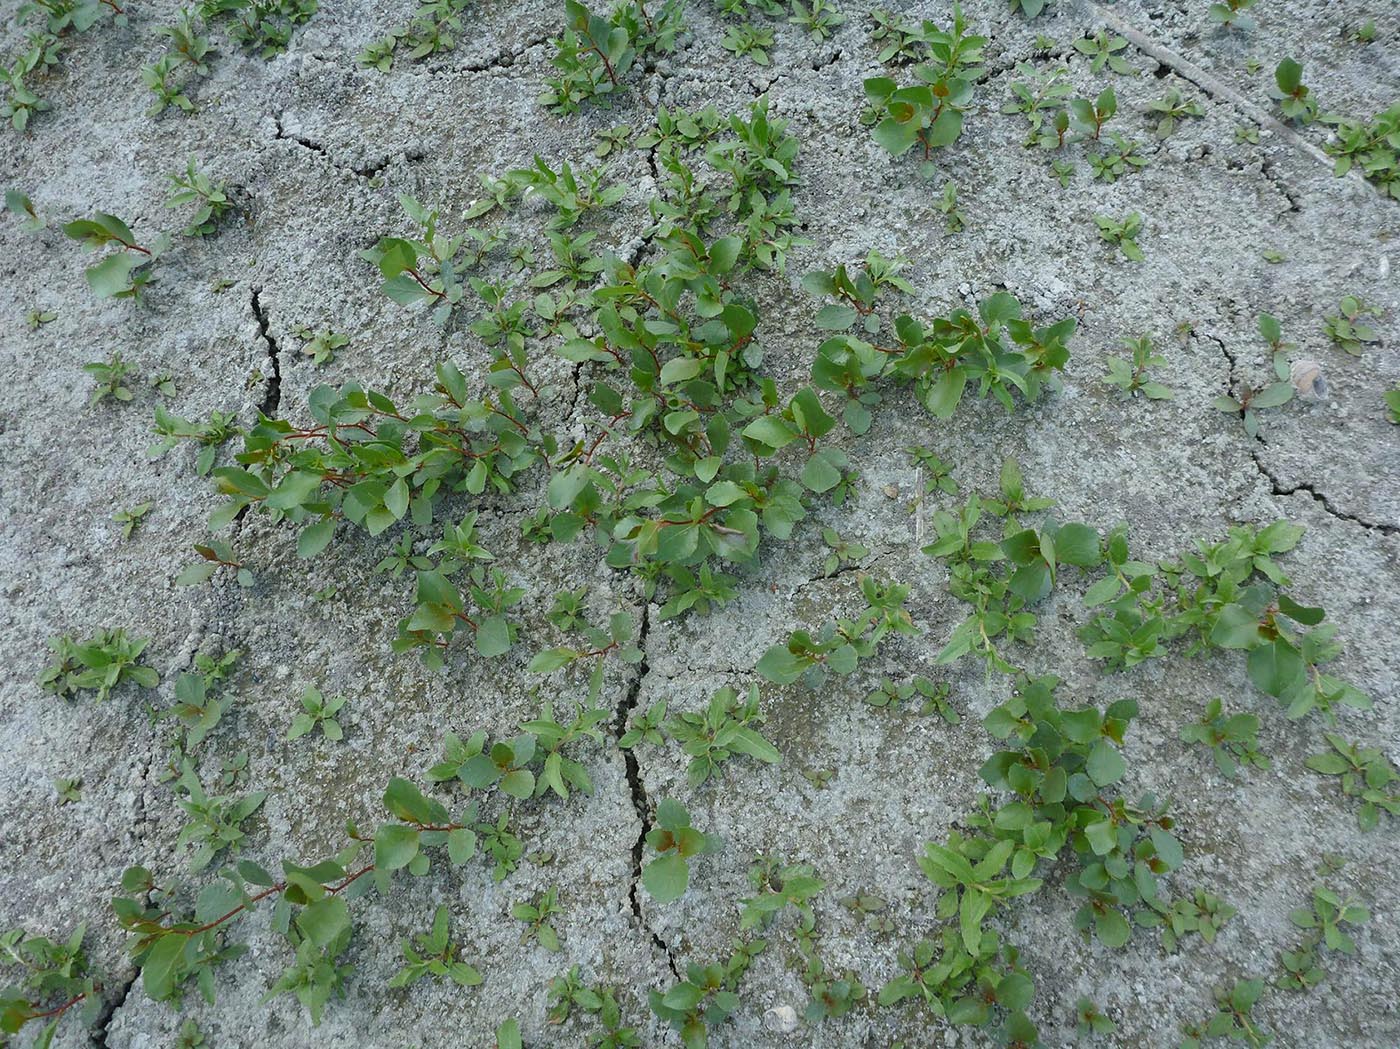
<point>1217,88</point>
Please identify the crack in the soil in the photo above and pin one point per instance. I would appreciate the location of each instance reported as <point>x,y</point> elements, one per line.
<point>506,59</point>
<point>272,400</point>
<point>365,171</point>
<point>305,143</point>
<point>640,802</point>
<point>1320,498</point>
<point>1281,489</point>
<point>1231,374</point>
<point>109,1010</point>
<point>1266,168</point>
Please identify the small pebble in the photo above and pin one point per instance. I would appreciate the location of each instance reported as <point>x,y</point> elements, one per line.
<point>781,1019</point>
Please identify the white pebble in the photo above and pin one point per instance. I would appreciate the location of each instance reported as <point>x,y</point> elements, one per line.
<point>781,1019</point>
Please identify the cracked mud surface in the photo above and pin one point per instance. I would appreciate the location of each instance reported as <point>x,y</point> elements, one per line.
<point>319,149</point>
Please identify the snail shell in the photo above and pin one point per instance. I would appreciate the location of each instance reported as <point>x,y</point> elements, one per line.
<point>1307,379</point>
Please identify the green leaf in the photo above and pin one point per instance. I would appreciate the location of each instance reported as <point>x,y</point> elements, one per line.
<point>834,317</point>
<point>1277,669</point>
<point>780,666</point>
<point>819,474</point>
<point>493,637</point>
<point>666,877</point>
<point>158,972</point>
<point>112,275</point>
<point>771,431</point>
<point>395,846</point>
<point>552,659</point>
<point>1105,765</point>
<point>315,538</point>
<point>1077,544</point>
<point>324,920</point>
<point>1111,927</point>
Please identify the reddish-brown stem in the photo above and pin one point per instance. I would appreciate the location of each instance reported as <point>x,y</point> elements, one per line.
<point>424,284</point>
<point>606,64</point>
<point>334,890</point>
<point>588,455</point>
<point>512,420</point>
<point>57,1010</point>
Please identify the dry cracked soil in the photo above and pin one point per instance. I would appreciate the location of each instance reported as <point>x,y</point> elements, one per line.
<point>316,150</point>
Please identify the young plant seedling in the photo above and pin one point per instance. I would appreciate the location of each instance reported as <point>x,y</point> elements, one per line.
<point>537,916</point>
<point>19,204</point>
<point>1116,159</point>
<point>318,711</point>
<point>928,114</point>
<point>215,555</point>
<point>919,696</point>
<point>1202,913</point>
<point>1106,49</point>
<point>129,519</point>
<point>1131,377</point>
<point>748,39</point>
<point>1251,401</point>
<point>101,663</point>
<point>208,436</point>
<point>110,376</point>
<point>817,18</point>
<point>728,726</point>
<point>1233,739</point>
<point>1293,96</point>
<point>594,54</point>
<point>1324,922</point>
<point>777,886</point>
<point>1392,405</point>
<point>124,273</point>
<point>320,346</point>
<point>215,821</point>
<point>954,219</point>
<point>1090,1020</point>
<point>1365,773</point>
<point>1087,118</point>
<point>432,954</point>
<point>209,197</point>
<point>840,646</point>
<point>675,842</point>
<point>842,552</point>
<point>1171,109</point>
<point>69,790</point>
<point>707,997</point>
<point>1232,1020</point>
<point>1369,146</point>
<point>1230,14</point>
<point>1122,234</point>
<point>1348,328</point>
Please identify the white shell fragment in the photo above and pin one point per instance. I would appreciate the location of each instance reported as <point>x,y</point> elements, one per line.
<point>1306,377</point>
<point>781,1019</point>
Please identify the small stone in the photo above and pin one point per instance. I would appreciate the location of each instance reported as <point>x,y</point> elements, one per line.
<point>891,491</point>
<point>781,1019</point>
